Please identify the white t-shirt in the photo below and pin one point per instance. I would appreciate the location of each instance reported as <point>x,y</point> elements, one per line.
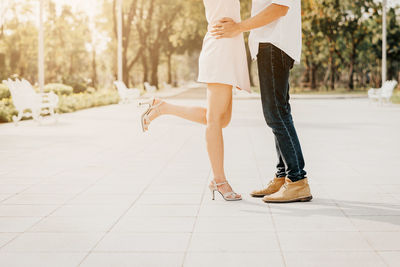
<point>285,33</point>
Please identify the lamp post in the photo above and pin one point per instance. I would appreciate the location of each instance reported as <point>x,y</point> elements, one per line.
<point>41,47</point>
<point>119,18</point>
<point>384,41</point>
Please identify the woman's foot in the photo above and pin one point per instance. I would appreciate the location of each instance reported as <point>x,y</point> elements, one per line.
<point>153,112</point>
<point>224,188</point>
<point>157,109</point>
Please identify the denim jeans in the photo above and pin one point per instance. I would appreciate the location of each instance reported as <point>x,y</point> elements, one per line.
<point>274,66</point>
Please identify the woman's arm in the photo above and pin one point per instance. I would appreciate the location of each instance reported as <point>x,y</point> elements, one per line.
<point>228,28</point>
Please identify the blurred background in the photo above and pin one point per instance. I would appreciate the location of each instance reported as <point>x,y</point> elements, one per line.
<point>161,42</point>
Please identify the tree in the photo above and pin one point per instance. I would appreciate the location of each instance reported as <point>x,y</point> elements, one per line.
<point>354,31</point>
<point>66,37</point>
<point>314,44</point>
<point>129,16</point>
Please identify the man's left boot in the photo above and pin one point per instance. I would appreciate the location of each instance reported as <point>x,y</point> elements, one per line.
<point>291,192</point>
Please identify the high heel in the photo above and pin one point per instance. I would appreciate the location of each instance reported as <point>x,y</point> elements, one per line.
<point>229,196</point>
<point>145,118</point>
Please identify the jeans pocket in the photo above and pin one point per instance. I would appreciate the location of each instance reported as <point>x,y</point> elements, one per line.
<point>287,61</point>
<point>291,64</point>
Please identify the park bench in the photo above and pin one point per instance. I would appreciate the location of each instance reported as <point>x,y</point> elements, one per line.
<point>150,88</point>
<point>382,94</point>
<point>126,94</point>
<point>167,86</point>
<point>29,103</point>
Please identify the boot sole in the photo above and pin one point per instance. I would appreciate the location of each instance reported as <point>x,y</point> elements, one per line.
<point>260,196</point>
<point>303,199</point>
<point>257,196</point>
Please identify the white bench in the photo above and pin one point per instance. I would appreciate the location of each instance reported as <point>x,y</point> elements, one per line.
<point>382,94</point>
<point>126,94</point>
<point>25,98</point>
<point>150,88</point>
<point>167,86</point>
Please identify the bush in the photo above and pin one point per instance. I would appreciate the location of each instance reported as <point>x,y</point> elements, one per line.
<point>76,102</point>
<point>67,103</point>
<point>79,88</point>
<point>58,89</point>
<point>396,97</point>
<point>78,84</point>
<point>7,110</point>
<point>4,91</point>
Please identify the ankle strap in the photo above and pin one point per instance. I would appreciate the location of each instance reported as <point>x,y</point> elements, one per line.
<point>213,181</point>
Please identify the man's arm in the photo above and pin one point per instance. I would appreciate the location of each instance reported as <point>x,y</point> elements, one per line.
<point>227,28</point>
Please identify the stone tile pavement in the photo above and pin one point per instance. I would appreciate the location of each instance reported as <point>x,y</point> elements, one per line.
<point>94,191</point>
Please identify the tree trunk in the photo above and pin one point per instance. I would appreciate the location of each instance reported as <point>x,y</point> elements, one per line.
<point>249,64</point>
<point>71,66</point>
<point>351,68</point>
<point>155,59</point>
<point>306,75</point>
<point>145,68</point>
<point>169,62</point>
<point>125,69</point>
<point>351,76</point>
<point>313,81</point>
<point>94,70</point>
<point>2,66</point>
<point>332,72</point>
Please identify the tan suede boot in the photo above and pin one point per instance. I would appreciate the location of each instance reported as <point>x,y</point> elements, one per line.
<point>273,187</point>
<point>291,192</point>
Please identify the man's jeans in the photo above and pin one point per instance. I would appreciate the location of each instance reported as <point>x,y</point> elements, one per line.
<point>274,66</point>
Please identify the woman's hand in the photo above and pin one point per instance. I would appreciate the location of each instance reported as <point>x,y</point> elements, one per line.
<point>226,28</point>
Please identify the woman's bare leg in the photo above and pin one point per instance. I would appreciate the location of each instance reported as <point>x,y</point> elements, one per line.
<point>216,116</point>
<point>219,110</point>
<point>219,98</point>
<point>195,114</point>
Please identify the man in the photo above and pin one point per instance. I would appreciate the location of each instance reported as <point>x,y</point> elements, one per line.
<point>275,40</point>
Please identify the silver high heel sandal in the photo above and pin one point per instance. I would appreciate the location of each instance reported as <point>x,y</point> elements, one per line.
<point>229,196</point>
<point>145,118</point>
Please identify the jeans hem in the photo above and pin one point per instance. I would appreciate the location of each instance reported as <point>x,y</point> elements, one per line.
<point>296,179</point>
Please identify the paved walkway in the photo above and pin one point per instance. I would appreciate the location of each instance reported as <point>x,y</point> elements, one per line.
<point>94,191</point>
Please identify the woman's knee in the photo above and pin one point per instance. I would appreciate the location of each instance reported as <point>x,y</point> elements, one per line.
<point>215,119</point>
<point>226,119</point>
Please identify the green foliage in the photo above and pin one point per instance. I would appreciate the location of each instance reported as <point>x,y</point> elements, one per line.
<point>67,103</point>
<point>7,110</point>
<point>76,102</point>
<point>58,88</point>
<point>162,39</point>
<point>78,84</point>
<point>4,91</point>
<point>396,97</point>
<point>342,44</point>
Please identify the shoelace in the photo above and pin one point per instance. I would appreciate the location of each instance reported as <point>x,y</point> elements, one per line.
<point>285,185</point>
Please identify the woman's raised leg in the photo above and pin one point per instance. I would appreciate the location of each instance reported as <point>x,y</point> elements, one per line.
<point>195,114</point>
<point>216,116</point>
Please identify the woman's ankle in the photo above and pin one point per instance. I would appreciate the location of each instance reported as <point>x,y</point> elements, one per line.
<point>220,179</point>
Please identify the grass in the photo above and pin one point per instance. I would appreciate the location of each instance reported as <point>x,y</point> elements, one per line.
<point>321,91</point>
<point>359,91</point>
<point>396,97</point>
<point>324,91</point>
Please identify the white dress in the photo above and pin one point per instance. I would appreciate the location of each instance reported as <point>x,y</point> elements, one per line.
<point>223,60</point>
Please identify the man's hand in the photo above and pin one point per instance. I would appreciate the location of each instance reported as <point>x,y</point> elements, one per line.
<point>226,28</point>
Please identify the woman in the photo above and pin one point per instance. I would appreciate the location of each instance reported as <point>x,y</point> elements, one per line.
<point>222,66</point>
